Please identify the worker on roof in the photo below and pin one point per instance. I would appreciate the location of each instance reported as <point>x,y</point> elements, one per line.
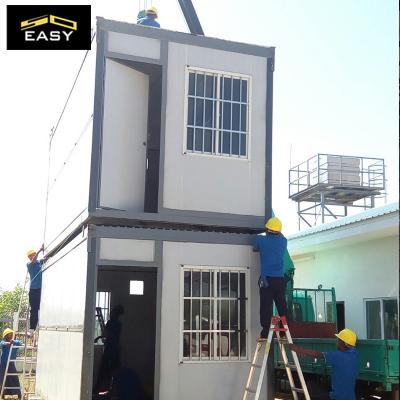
<point>344,362</point>
<point>272,246</point>
<point>35,288</point>
<point>150,18</point>
<point>11,381</point>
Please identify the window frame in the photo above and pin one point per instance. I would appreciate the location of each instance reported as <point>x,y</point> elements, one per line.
<point>215,359</point>
<point>219,73</point>
<point>382,322</point>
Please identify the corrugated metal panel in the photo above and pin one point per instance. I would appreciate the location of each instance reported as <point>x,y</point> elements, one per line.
<point>369,214</point>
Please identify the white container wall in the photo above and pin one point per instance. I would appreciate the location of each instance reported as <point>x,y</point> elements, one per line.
<point>127,249</point>
<point>62,313</point>
<point>123,167</point>
<point>70,154</point>
<point>217,380</point>
<point>189,176</point>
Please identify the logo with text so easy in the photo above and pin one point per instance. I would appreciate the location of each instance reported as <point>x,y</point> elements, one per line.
<point>48,27</point>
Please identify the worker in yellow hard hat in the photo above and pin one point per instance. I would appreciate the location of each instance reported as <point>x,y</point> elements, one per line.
<point>35,289</point>
<point>12,381</point>
<point>151,14</point>
<point>344,362</point>
<point>272,246</point>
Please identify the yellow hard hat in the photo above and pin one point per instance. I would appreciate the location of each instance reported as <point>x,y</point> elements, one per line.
<point>348,336</point>
<point>274,224</point>
<point>152,10</point>
<point>30,252</point>
<point>7,331</point>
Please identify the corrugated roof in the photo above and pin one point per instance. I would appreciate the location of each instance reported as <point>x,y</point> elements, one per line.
<point>369,214</point>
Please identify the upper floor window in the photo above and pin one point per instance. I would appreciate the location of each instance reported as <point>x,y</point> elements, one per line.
<point>382,317</point>
<point>217,114</point>
<point>214,313</point>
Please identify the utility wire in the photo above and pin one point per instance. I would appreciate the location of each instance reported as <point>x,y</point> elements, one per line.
<point>85,129</point>
<point>47,190</point>
<point>70,93</point>
<point>53,132</point>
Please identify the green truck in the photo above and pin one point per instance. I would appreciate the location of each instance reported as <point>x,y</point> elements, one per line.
<point>313,323</point>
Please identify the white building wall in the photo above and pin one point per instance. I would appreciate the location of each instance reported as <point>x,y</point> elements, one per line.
<point>357,271</point>
<point>189,176</point>
<point>202,380</point>
<point>133,45</point>
<point>60,351</point>
<point>126,249</point>
<point>123,152</point>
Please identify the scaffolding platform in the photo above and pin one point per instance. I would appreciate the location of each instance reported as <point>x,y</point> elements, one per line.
<point>335,180</point>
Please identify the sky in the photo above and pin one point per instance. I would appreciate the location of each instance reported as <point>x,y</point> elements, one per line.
<point>335,91</point>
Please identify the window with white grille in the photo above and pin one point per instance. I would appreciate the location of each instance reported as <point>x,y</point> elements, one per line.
<point>214,313</point>
<point>217,114</point>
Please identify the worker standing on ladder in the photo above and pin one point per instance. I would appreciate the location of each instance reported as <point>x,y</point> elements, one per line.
<point>150,18</point>
<point>272,246</point>
<point>35,289</point>
<point>344,362</point>
<point>11,381</point>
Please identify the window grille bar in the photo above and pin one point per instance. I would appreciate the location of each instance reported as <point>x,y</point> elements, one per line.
<point>217,342</point>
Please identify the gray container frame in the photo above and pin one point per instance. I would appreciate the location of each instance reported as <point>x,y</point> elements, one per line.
<point>172,217</point>
<point>95,233</point>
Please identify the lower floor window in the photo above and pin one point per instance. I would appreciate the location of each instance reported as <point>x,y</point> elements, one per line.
<point>382,318</point>
<point>214,313</point>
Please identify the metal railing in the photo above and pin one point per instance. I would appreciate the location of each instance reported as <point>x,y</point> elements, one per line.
<point>312,305</point>
<point>337,170</point>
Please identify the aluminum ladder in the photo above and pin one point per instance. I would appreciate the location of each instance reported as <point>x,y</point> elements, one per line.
<point>266,344</point>
<point>100,318</point>
<point>26,354</point>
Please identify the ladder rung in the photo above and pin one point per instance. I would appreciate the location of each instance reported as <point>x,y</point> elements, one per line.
<point>283,340</point>
<point>250,390</point>
<point>291,366</point>
<point>298,390</point>
<point>256,365</point>
<point>27,347</point>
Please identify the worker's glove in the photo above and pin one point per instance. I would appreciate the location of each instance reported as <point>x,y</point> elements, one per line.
<point>262,282</point>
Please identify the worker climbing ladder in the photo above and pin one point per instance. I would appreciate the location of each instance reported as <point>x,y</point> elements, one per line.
<point>23,365</point>
<point>266,345</point>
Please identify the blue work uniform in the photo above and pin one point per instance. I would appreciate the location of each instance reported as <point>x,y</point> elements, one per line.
<point>5,351</point>
<point>35,274</point>
<point>35,291</point>
<point>148,21</point>
<point>11,380</point>
<point>345,367</point>
<point>272,248</point>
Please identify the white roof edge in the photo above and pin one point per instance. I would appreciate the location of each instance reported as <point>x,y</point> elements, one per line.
<point>363,216</point>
